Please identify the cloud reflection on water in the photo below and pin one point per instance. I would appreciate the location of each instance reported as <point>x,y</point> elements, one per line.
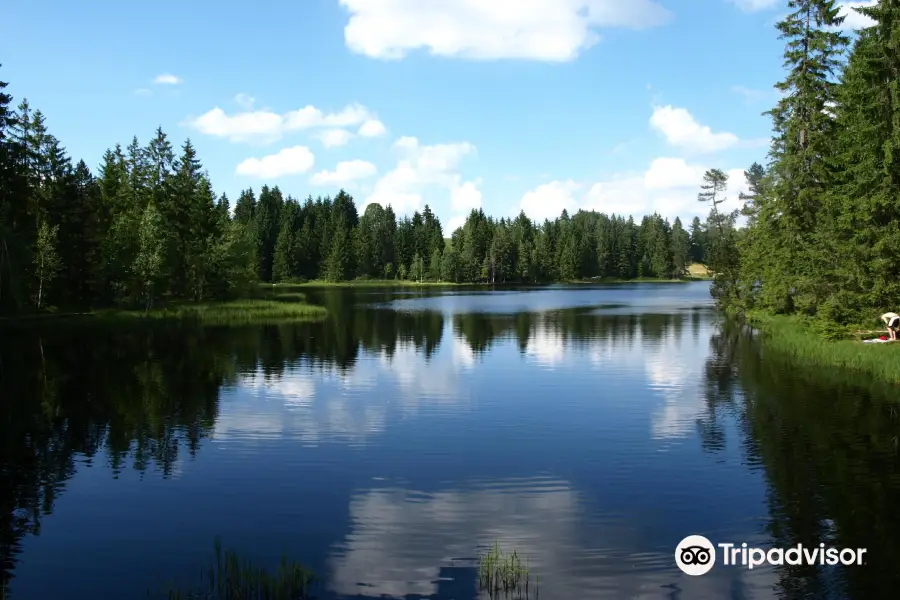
<point>401,539</point>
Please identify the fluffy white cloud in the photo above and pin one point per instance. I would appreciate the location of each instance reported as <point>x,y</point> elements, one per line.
<point>854,19</point>
<point>669,187</point>
<point>167,79</point>
<point>372,128</point>
<point>345,172</point>
<point>245,100</point>
<point>547,201</point>
<point>680,129</point>
<point>465,197</point>
<point>419,168</point>
<point>289,161</point>
<point>333,138</point>
<point>267,126</point>
<point>548,30</point>
<point>756,5</point>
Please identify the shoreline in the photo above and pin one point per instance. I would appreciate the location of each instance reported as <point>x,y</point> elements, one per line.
<point>226,312</point>
<point>279,304</point>
<point>402,283</point>
<point>792,337</point>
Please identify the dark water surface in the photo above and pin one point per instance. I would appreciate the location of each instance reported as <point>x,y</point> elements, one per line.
<point>589,428</point>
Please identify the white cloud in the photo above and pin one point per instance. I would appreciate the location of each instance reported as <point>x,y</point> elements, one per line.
<point>680,129</point>
<point>345,172</point>
<point>419,168</point>
<point>372,128</point>
<point>333,138</point>
<point>268,126</point>
<point>167,79</point>
<point>547,201</point>
<point>245,100</point>
<point>671,173</point>
<point>289,161</point>
<point>669,187</point>
<point>756,5</point>
<point>464,198</point>
<point>854,19</point>
<point>546,30</point>
<point>142,92</point>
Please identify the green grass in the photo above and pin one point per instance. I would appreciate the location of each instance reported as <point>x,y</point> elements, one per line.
<point>698,271</point>
<point>505,575</point>
<point>799,341</point>
<point>234,578</point>
<point>237,312</point>
<point>274,306</point>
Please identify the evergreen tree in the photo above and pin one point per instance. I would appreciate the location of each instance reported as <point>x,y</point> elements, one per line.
<point>680,248</point>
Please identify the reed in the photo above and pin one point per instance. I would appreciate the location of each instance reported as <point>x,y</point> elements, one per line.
<point>235,578</point>
<point>505,575</point>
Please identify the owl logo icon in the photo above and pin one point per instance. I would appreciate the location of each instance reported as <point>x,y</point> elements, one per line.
<point>695,555</point>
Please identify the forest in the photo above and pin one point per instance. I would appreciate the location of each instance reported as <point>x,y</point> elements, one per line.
<point>822,238</point>
<point>149,228</point>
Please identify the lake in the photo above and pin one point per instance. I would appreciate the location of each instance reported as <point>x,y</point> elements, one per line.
<point>589,428</point>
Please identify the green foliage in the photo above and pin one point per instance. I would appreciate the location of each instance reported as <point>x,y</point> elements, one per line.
<point>46,258</point>
<point>149,262</point>
<point>822,237</point>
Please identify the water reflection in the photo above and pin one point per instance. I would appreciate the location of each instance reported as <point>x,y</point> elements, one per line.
<point>410,543</point>
<point>392,443</point>
<point>828,444</point>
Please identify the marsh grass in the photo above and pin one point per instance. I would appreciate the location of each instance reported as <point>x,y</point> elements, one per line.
<point>505,575</point>
<point>235,578</point>
<point>237,312</point>
<point>801,343</point>
<point>270,306</point>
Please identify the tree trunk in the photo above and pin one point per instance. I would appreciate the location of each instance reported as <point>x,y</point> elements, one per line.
<point>40,284</point>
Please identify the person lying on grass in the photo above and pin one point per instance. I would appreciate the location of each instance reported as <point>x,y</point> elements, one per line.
<point>892,320</point>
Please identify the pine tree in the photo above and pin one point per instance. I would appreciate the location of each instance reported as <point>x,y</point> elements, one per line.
<point>338,262</point>
<point>802,154</point>
<point>680,249</point>
<point>245,209</point>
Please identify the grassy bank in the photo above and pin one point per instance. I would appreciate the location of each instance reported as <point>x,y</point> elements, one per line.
<point>273,308</point>
<point>698,271</point>
<point>798,341</point>
<point>258,311</point>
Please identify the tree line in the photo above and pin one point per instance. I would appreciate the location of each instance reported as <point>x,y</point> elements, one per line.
<point>148,226</point>
<point>823,235</point>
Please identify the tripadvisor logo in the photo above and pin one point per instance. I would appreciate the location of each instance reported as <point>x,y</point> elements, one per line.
<point>696,555</point>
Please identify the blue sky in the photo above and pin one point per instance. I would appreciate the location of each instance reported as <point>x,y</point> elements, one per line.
<point>538,105</point>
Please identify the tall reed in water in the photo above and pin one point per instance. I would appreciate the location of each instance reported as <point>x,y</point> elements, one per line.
<point>505,575</point>
<point>236,578</point>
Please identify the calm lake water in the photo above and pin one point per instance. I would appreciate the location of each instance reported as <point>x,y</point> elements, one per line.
<point>589,428</point>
